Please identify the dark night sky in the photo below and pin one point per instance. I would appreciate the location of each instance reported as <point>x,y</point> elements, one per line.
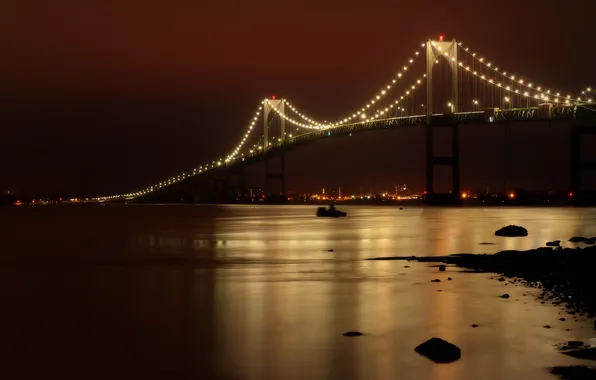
<point>112,96</point>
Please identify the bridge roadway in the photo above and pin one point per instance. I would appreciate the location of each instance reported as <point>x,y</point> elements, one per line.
<point>546,113</point>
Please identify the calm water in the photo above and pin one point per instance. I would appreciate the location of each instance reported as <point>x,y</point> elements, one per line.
<point>252,292</point>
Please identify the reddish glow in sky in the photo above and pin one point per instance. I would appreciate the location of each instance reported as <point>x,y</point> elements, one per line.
<point>116,85</point>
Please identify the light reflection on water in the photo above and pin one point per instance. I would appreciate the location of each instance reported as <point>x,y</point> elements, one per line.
<point>252,292</point>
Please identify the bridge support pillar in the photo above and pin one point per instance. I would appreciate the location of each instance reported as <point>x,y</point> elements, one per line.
<point>279,107</point>
<point>234,184</point>
<point>272,174</point>
<point>432,161</point>
<point>577,164</point>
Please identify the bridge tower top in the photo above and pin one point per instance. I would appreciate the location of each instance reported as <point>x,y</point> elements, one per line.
<point>434,50</point>
<point>270,104</point>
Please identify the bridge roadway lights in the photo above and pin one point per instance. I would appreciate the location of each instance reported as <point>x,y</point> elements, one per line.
<point>431,197</point>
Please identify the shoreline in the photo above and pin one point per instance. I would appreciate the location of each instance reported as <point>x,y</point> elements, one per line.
<point>565,275</point>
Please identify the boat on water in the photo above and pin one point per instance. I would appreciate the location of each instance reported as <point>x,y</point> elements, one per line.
<point>331,212</point>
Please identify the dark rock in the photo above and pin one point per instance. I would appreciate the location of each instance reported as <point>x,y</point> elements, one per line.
<point>474,325</point>
<point>554,243</point>
<point>575,372</point>
<point>578,239</point>
<point>439,350</point>
<point>449,279</point>
<point>435,280</point>
<point>401,208</point>
<point>330,250</point>
<point>442,268</point>
<point>579,352</point>
<point>546,326</point>
<point>483,243</point>
<point>567,329</point>
<point>501,279</point>
<point>504,295</point>
<point>406,266</point>
<point>575,343</point>
<point>352,333</point>
<point>512,231</point>
<point>590,241</point>
<point>562,319</point>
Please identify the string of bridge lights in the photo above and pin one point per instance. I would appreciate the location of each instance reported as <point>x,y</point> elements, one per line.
<point>357,114</point>
<point>539,93</point>
<point>292,121</point>
<point>250,128</point>
<point>303,116</point>
<point>407,93</point>
<point>364,118</point>
<point>195,171</point>
<point>380,94</point>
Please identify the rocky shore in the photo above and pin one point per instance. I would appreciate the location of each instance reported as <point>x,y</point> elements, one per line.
<point>567,276</point>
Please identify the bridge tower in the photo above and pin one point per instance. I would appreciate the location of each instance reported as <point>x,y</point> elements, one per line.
<point>269,105</point>
<point>447,50</point>
<point>274,171</point>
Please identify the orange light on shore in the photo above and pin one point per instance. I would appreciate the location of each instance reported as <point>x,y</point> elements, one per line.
<point>464,195</point>
<point>511,195</point>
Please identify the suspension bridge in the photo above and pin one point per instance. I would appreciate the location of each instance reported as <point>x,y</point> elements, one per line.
<point>443,84</point>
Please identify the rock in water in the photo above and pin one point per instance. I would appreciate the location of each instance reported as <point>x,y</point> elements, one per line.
<point>512,231</point>
<point>578,239</point>
<point>353,333</point>
<point>505,295</point>
<point>554,243</point>
<point>439,350</point>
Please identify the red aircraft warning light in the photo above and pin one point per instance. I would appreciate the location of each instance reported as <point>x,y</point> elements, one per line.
<point>273,97</point>
<point>441,37</point>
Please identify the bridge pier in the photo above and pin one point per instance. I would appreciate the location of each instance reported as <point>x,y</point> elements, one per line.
<point>233,183</point>
<point>273,174</point>
<point>580,195</point>
<point>432,161</point>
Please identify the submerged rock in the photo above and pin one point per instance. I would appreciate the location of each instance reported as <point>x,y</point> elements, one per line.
<point>512,231</point>
<point>353,333</point>
<point>578,239</point>
<point>435,280</point>
<point>578,350</point>
<point>439,350</point>
<point>554,243</point>
<point>504,296</point>
<point>575,372</point>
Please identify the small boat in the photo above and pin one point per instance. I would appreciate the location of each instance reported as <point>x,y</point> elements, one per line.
<point>331,212</point>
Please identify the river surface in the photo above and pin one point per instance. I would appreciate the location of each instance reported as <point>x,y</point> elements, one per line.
<point>255,292</point>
